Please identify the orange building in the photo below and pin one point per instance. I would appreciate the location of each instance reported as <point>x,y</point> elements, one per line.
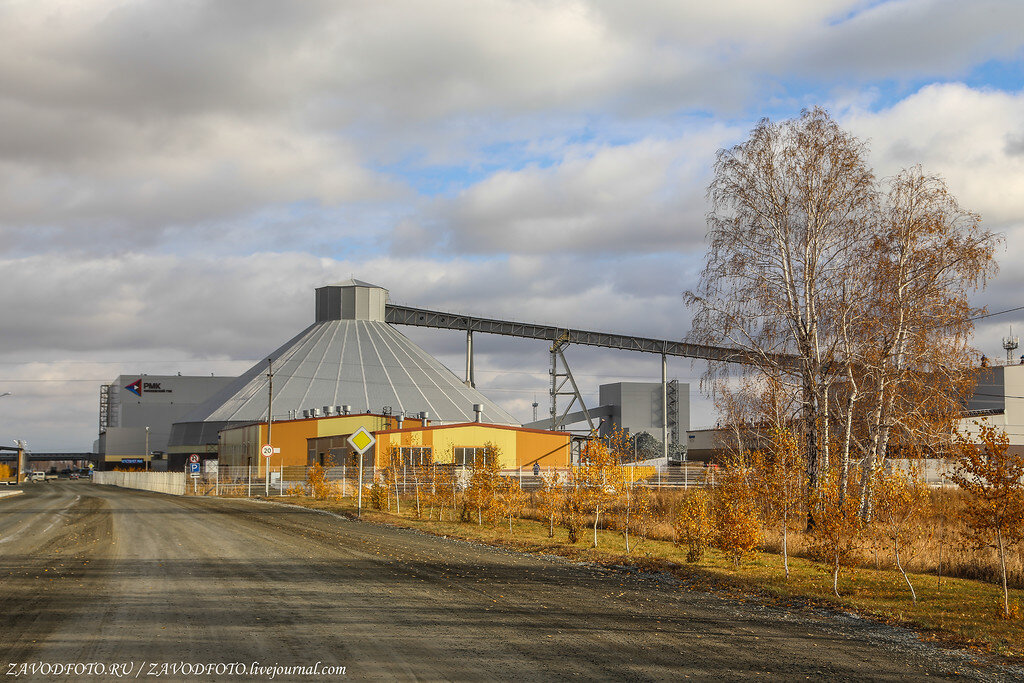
<point>457,443</point>
<point>319,440</point>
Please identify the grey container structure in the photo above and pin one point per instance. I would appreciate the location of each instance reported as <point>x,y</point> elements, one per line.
<point>350,357</point>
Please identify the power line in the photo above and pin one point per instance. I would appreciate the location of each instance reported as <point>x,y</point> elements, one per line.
<point>989,315</point>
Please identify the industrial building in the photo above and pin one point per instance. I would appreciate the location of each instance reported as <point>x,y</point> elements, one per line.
<point>137,411</point>
<point>998,400</point>
<point>348,361</point>
<point>323,440</point>
<point>642,408</point>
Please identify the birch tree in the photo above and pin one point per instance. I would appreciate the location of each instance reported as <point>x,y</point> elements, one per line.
<point>851,293</point>
<point>927,255</point>
<point>789,210</point>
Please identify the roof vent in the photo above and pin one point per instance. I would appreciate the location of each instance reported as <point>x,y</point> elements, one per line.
<point>346,409</point>
<point>478,411</point>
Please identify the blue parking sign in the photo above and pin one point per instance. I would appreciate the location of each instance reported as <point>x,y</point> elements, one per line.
<point>193,469</point>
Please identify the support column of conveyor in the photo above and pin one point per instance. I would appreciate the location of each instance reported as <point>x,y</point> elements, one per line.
<point>664,407</point>
<point>470,382</point>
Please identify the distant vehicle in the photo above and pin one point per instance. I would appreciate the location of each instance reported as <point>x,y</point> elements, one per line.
<point>74,475</point>
<point>37,476</point>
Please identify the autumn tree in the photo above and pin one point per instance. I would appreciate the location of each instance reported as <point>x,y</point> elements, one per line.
<point>737,527</point>
<point>510,499</point>
<point>550,498</point>
<point>839,528</point>
<point>573,509</point>
<point>926,256</point>
<point>484,479</point>
<point>692,523</point>
<point>445,487</point>
<point>779,483</point>
<point>599,478</point>
<point>638,513</point>
<point>850,292</point>
<point>993,476</point>
<point>316,480</point>
<point>902,501</point>
<point>788,217</point>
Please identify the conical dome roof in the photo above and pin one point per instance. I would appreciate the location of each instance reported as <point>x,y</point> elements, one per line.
<point>365,364</point>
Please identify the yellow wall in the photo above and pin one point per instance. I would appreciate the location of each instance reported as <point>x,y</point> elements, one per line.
<point>290,436</point>
<point>519,447</point>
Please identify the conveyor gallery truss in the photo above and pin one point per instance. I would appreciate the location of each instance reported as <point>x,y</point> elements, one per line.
<point>559,338</point>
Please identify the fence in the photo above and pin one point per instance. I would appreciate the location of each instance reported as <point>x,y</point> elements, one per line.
<point>291,480</point>
<point>161,482</point>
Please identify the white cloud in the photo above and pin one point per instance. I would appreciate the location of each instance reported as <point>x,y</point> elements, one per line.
<point>646,196</point>
<point>967,135</point>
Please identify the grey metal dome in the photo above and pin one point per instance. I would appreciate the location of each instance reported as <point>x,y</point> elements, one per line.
<point>349,357</point>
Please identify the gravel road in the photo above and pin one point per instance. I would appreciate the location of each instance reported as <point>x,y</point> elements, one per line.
<point>98,574</point>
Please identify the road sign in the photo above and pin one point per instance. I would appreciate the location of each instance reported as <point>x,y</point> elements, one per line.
<point>193,470</point>
<point>267,450</point>
<point>361,440</point>
<point>194,458</point>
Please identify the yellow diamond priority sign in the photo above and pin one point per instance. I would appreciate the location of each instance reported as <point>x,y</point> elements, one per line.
<point>361,440</point>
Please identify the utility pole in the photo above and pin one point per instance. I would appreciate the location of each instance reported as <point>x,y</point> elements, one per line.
<point>147,448</point>
<point>270,420</point>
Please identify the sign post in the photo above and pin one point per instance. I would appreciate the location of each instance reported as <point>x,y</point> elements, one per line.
<point>193,471</point>
<point>361,441</point>
<point>266,452</point>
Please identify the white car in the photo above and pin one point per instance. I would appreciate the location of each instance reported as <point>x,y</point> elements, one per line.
<point>37,476</point>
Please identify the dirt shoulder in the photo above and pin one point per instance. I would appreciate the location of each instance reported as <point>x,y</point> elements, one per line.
<point>959,616</point>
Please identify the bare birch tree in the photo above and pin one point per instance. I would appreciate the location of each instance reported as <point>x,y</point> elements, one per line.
<point>789,211</point>
<point>851,293</point>
<point>927,256</point>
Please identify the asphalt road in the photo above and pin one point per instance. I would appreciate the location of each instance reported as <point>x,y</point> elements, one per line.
<point>97,574</point>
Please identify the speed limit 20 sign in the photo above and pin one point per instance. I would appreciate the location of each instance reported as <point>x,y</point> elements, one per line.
<point>267,450</point>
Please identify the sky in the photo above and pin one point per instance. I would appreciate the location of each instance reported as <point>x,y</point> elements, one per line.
<point>177,177</point>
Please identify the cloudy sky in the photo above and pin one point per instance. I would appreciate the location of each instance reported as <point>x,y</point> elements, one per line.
<point>178,176</point>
